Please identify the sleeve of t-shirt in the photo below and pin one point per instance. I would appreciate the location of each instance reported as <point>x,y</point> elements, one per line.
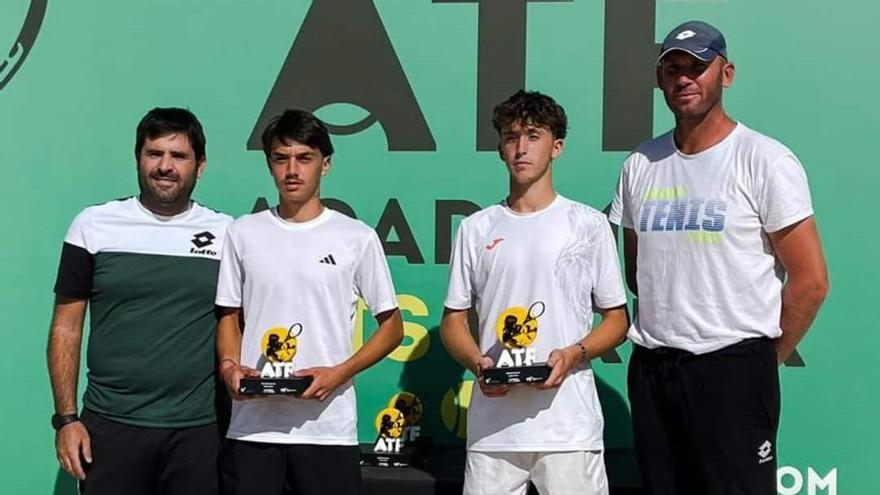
<point>460,289</point>
<point>373,278</point>
<point>608,289</point>
<point>784,197</point>
<point>231,273</point>
<point>77,265</point>
<point>619,212</point>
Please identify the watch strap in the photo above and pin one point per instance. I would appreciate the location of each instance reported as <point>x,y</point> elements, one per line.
<point>61,420</point>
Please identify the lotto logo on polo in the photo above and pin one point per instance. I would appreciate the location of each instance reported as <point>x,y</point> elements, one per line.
<point>764,451</point>
<point>201,241</point>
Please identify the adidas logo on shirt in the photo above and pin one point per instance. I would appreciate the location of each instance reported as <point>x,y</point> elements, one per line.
<point>328,260</point>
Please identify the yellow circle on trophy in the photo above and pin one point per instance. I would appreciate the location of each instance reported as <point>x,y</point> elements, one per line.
<point>279,344</point>
<point>409,404</point>
<point>515,329</point>
<point>390,423</point>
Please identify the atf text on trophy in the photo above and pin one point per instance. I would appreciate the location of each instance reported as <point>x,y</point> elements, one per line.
<point>277,374</point>
<point>517,329</point>
<point>398,432</point>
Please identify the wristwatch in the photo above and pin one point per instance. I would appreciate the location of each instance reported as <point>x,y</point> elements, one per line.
<point>60,420</point>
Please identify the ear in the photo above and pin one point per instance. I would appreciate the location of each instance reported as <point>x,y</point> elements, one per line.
<point>558,146</point>
<point>200,168</point>
<point>325,166</point>
<point>727,74</point>
<point>657,79</point>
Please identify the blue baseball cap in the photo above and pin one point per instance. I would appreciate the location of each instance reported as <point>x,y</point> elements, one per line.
<point>697,38</point>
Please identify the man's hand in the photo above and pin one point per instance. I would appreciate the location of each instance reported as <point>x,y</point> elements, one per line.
<point>561,362</point>
<point>71,441</point>
<point>324,381</point>
<point>232,373</point>
<point>499,390</point>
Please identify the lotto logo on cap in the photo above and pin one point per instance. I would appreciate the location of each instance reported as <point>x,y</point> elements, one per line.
<point>700,39</point>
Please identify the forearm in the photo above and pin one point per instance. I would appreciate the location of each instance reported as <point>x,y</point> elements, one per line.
<point>62,351</point>
<point>63,360</point>
<point>387,337</point>
<point>456,336</point>
<point>800,304</point>
<point>608,334</point>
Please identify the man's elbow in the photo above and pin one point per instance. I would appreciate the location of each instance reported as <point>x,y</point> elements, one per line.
<point>623,327</point>
<point>820,290</point>
<point>396,333</point>
<point>814,290</point>
<point>618,322</point>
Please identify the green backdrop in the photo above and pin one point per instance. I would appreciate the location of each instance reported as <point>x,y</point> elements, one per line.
<point>406,85</point>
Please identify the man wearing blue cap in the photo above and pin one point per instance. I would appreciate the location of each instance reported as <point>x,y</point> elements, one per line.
<point>722,251</point>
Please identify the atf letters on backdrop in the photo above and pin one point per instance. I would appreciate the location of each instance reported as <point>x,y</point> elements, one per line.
<point>407,88</point>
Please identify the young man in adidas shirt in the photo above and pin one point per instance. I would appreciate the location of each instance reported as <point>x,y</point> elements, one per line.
<point>300,266</point>
<point>146,268</point>
<point>535,247</point>
<point>722,250</point>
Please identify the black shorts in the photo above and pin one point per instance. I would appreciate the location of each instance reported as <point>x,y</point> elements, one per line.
<point>706,424</point>
<point>136,460</point>
<point>302,469</point>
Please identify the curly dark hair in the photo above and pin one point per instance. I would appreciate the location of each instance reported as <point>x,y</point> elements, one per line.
<point>531,107</point>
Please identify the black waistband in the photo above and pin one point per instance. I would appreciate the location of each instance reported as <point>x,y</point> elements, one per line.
<point>675,352</point>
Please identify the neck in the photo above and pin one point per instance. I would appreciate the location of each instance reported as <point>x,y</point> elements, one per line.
<point>529,198</point>
<point>164,209</point>
<point>300,212</point>
<point>701,133</point>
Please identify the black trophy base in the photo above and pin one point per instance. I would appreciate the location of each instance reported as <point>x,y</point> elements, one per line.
<point>371,458</point>
<point>274,386</point>
<point>535,373</point>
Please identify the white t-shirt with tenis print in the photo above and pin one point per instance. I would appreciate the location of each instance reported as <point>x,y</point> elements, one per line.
<point>707,274</point>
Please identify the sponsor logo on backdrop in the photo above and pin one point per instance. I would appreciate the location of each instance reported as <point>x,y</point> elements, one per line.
<point>24,42</point>
<point>793,481</point>
<point>359,66</point>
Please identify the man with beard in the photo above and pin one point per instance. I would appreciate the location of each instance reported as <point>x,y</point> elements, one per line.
<point>146,267</point>
<point>722,250</point>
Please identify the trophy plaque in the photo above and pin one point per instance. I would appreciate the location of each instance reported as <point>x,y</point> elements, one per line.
<point>398,433</point>
<point>277,374</point>
<point>517,329</point>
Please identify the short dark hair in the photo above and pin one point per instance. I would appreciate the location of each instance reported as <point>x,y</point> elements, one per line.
<point>531,107</point>
<point>161,121</point>
<point>300,126</point>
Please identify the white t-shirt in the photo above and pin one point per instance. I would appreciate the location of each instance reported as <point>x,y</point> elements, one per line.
<point>707,274</point>
<point>563,256</point>
<point>301,279</point>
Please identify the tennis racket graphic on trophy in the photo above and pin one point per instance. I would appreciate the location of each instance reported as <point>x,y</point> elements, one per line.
<point>279,346</point>
<point>517,329</point>
<point>398,432</point>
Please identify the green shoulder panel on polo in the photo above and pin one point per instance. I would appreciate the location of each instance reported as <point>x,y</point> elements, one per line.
<point>151,344</point>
